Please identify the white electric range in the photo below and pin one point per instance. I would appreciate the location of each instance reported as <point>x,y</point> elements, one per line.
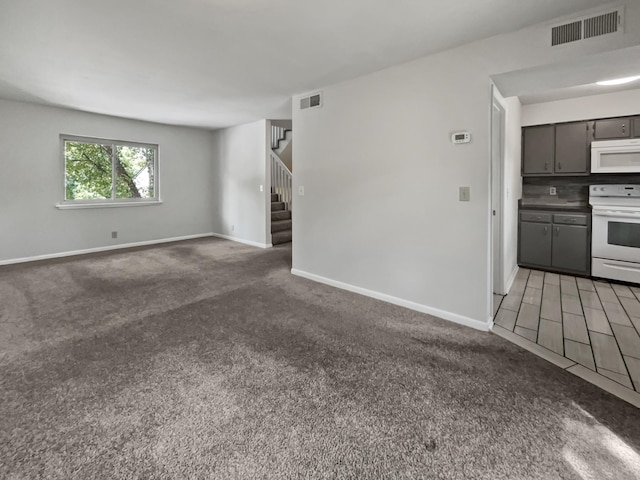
<point>615,234</point>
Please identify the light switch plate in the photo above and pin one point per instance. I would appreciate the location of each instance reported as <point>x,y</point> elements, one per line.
<point>465,194</point>
<point>301,191</point>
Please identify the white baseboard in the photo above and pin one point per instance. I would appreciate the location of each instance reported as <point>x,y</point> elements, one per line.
<point>241,240</point>
<point>453,317</point>
<point>512,279</point>
<point>102,249</point>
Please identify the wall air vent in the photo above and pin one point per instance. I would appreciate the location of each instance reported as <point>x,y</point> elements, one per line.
<point>569,32</point>
<point>312,101</point>
<point>588,27</point>
<point>601,25</point>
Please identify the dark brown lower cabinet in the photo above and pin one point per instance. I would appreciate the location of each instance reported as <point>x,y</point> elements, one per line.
<point>535,244</point>
<point>554,241</point>
<point>570,250</point>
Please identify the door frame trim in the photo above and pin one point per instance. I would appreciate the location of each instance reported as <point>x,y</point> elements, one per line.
<point>497,184</point>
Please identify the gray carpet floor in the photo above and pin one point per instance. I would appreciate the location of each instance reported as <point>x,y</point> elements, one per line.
<point>208,359</point>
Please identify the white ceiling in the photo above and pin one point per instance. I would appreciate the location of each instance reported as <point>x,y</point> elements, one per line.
<point>215,63</point>
<point>571,78</point>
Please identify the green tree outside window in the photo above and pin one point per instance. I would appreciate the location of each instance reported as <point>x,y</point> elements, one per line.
<point>103,171</point>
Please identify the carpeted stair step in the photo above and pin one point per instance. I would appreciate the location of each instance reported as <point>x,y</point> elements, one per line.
<point>275,206</point>
<point>280,226</point>
<point>281,237</point>
<point>275,197</point>
<point>280,215</point>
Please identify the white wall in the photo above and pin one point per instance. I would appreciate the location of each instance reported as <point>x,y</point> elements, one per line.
<point>282,123</point>
<point>626,102</point>
<point>240,166</point>
<point>32,182</point>
<point>286,151</point>
<point>381,213</point>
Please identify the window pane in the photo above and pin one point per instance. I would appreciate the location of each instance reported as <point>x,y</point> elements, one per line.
<point>87,170</point>
<point>135,172</point>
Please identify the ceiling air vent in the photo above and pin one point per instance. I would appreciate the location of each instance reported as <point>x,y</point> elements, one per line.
<point>587,27</point>
<point>312,101</point>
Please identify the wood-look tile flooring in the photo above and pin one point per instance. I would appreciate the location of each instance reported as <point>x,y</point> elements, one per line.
<point>595,324</point>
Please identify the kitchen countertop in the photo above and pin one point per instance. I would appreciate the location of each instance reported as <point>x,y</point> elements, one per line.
<point>577,207</point>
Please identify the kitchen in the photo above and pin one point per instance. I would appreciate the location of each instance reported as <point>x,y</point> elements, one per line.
<point>580,206</point>
<point>577,286</point>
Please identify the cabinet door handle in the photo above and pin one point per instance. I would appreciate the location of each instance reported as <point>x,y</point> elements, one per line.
<point>546,165</point>
<point>545,230</point>
<point>559,165</point>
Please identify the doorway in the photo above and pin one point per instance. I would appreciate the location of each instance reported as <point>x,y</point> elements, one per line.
<point>279,173</point>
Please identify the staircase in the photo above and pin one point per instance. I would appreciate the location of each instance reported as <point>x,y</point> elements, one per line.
<point>281,190</point>
<point>280,221</point>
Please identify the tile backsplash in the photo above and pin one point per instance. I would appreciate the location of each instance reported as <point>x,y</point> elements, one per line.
<point>569,190</point>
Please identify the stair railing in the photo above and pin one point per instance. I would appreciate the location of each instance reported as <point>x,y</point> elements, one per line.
<point>281,180</point>
<point>277,134</point>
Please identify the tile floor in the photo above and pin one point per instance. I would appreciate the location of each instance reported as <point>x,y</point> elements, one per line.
<point>594,324</point>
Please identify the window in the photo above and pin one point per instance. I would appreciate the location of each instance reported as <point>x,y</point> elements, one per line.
<point>99,171</point>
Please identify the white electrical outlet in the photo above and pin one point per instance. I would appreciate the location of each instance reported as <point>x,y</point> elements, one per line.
<point>552,191</point>
<point>465,194</point>
<point>262,188</point>
<point>301,191</point>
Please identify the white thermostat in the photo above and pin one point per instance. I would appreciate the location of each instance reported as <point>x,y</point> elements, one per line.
<point>461,137</point>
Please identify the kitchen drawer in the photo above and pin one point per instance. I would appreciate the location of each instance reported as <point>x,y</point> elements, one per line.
<point>540,217</point>
<point>570,219</point>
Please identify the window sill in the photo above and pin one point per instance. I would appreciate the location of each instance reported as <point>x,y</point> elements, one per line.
<point>73,206</point>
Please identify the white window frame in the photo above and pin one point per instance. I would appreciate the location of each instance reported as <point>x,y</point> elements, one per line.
<point>113,201</point>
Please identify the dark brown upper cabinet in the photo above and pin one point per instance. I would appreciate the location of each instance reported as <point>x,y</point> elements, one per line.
<point>612,128</point>
<point>561,149</point>
<point>538,150</point>
<point>572,148</point>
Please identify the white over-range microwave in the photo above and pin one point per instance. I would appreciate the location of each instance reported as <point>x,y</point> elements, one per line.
<point>615,156</point>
